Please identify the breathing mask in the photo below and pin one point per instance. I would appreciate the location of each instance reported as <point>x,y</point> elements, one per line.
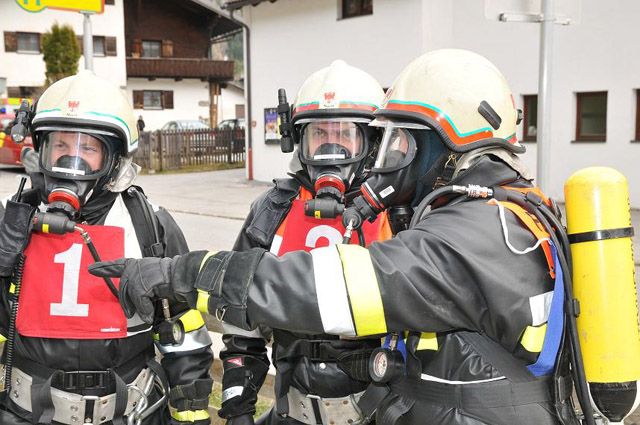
<point>75,163</point>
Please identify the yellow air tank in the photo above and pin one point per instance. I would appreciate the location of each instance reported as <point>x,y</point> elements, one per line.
<point>599,227</point>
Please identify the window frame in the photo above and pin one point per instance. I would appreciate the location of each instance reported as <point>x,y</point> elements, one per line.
<point>158,43</point>
<point>637,134</point>
<point>23,33</point>
<point>590,137</point>
<point>151,108</point>
<point>361,11</point>
<point>104,46</point>
<point>526,137</point>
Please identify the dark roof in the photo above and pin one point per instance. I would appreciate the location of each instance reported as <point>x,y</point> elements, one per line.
<point>221,26</point>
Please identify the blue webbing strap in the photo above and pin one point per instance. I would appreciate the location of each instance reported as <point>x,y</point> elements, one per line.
<point>551,345</point>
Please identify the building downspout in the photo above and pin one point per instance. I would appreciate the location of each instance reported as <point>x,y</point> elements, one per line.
<point>247,93</point>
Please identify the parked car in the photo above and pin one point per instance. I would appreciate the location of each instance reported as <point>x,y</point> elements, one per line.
<point>178,125</point>
<point>9,150</point>
<point>231,124</point>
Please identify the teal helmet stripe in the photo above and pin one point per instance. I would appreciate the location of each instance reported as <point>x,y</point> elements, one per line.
<point>438,110</point>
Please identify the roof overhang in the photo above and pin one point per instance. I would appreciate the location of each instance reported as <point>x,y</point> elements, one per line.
<point>238,4</point>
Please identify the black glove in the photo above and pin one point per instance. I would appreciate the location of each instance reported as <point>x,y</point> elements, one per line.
<point>142,281</point>
<point>241,420</point>
<point>15,230</point>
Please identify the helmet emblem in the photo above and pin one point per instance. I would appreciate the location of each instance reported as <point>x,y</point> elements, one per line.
<point>72,107</point>
<point>330,99</point>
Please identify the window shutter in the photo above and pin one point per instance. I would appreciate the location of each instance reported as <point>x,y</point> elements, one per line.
<point>10,41</point>
<point>138,99</point>
<point>110,46</point>
<point>167,99</point>
<point>40,36</point>
<point>80,43</point>
<point>136,48</point>
<point>167,48</point>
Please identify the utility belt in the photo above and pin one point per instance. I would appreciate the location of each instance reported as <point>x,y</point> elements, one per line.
<point>352,357</point>
<point>86,396</point>
<point>311,409</point>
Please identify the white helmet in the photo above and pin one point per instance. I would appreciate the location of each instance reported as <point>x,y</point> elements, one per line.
<point>459,94</point>
<point>330,117</point>
<point>85,133</point>
<point>88,102</point>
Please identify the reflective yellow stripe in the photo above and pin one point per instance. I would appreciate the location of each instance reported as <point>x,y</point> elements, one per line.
<point>3,338</point>
<point>45,228</point>
<point>12,288</point>
<point>156,337</point>
<point>202,303</point>
<point>364,293</point>
<point>533,338</point>
<point>190,415</point>
<point>204,260</point>
<point>192,320</point>
<point>428,341</point>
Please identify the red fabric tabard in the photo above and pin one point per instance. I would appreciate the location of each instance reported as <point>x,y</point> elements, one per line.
<point>59,298</point>
<point>306,233</point>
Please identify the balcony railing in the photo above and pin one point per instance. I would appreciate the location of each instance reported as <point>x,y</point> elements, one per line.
<point>180,68</point>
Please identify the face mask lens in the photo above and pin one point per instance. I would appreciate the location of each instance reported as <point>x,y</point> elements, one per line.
<point>331,141</point>
<point>396,148</point>
<point>73,154</point>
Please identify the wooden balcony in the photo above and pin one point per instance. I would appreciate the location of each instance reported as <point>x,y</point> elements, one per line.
<point>204,69</point>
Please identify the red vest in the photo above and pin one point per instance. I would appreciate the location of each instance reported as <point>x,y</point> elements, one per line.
<point>301,232</point>
<point>58,296</point>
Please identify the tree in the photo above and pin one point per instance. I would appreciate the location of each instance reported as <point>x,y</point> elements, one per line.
<point>61,52</point>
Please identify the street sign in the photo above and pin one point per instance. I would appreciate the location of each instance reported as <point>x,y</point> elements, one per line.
<point>91,6</point>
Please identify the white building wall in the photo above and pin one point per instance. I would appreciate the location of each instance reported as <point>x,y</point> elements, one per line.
<point>596,52</point>
<point>188,95</point>
<point>227,101</point>
<point>290,39</point>
<point>28,69</point>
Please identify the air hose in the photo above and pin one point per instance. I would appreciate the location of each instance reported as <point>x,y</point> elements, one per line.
<point>11,334</point>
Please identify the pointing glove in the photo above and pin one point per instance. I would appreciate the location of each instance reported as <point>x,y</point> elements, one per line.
<point>142,281</point>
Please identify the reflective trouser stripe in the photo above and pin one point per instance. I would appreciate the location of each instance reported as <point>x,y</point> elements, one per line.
<point>533,338</point>
<point>364,292</point>
<point>331,292</point>
<point>190,415</point>
<point>428,341</point>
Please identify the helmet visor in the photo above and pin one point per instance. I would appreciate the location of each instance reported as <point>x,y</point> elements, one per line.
<point>74,155</point>
<point>332,142</point>
<point>397,149</point>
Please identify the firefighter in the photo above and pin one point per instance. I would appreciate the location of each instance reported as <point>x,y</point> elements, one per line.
<point>465,296</point>
<point>72,355</point>
<point>314,372</point>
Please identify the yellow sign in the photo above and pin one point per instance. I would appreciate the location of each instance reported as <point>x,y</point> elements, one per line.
<point>94,6</point>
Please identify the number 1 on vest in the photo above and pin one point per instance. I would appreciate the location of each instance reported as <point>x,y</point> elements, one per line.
<point>69,306</point>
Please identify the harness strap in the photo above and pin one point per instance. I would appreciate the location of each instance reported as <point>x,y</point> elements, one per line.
<point>41,401</point>
<point>145,222</point>
<point>494,394</point>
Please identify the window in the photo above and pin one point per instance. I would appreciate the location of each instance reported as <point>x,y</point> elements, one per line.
<point>28,42</point>
<point>151,49</point>
<point>353,8</point>
<point>109,2</point>
<point>530,119</point>
<point>591,123</point>
<point>98,46</point>
<point>153,99</point>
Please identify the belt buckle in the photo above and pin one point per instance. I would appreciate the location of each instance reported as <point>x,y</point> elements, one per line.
<point>81,380</point>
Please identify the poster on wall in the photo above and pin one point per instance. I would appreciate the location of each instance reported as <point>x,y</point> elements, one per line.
<point>271,126</point>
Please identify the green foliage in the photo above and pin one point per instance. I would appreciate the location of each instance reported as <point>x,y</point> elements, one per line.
<point>61,52</point>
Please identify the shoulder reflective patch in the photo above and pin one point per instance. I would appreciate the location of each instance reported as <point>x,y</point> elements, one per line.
<point>364,292</point>
<point>332,292</point>
<point>202,302</point>
<point>192,320</point>
<point>428,341</point>
<point>533,338</point>
<point>540,306</point>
